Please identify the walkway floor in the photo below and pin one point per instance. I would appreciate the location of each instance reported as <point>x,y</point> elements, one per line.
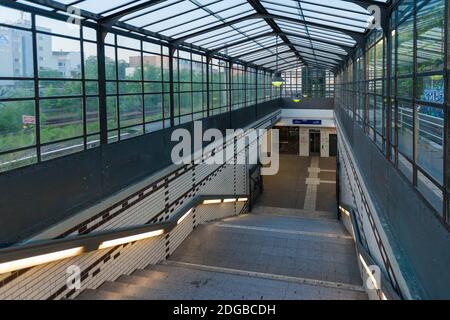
<point>305,183</point>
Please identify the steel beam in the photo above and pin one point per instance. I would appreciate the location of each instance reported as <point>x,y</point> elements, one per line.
<point>353,34</point>
<point>346,48</point>
<point>115,17</point>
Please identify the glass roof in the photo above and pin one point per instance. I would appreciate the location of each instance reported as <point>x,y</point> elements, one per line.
<point>304,32</point>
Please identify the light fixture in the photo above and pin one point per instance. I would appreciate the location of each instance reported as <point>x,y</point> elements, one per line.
<point>277,80</point>
<point>138,237</point>
<point>296,98</point>
<point>242,199</point>
<point>184,216</point>
<point>39,260</point>
<point>212,201</point>
<point>229,200</point>
<point>345,211</point>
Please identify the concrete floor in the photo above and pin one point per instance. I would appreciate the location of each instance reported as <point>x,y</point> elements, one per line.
<point>302,184</point>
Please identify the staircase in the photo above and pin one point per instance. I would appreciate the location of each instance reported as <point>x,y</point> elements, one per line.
<point>259,256</point>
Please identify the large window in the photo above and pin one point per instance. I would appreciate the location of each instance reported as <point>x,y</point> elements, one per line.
<point>49,104</point>
<point>219,86</point>
<point>138,99</point>
<point>414,95</point>
<point>52,103</point>
<point>238,87</point>
<point>189,87</point>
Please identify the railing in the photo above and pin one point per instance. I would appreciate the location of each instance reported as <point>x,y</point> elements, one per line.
<point>29,255</point>
<point>431,127</point>
<point>384,288</point>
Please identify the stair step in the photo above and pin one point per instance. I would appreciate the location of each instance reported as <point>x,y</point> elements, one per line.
<point>99,294</point>
<point>185,283</point>
<point>139,292</point>
<point>319,215</point>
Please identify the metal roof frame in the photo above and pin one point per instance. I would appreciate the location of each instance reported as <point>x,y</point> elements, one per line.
<point>316,29</point>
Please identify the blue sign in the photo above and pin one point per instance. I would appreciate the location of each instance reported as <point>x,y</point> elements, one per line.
<point>307,122</point>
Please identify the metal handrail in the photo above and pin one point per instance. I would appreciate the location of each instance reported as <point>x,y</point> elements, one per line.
<point>92,242</point>
<point>386,287</point>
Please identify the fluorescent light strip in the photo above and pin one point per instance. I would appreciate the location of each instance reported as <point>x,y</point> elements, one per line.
<point>212,201</point>
<point>39,260</point>
<point>138,237</point>
<point>184,217</point>
<point>345,211</point>
<point>242,199</point>
<point>229,200</point>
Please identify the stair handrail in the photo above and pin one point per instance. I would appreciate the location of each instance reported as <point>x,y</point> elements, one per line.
<point>26,255</point>
<point>386,290</point>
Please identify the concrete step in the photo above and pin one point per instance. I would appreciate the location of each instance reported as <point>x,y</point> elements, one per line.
<point>290,223</point>
<point>188,284</point>
<point>156,292</point>
<point>259,209</point>
<point>99,294</point>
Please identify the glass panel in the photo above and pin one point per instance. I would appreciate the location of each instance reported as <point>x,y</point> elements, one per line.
<point>405,129</point>
<point>430,141</point>
<point>405,47</point>
<point>430,36</point>
<point>58,57</point>
<point>130,110</point>
<point>16,53</point>
<point>17,125</point>
<point>61,119</point>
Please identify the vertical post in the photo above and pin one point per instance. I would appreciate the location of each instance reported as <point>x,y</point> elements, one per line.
<point>208,87</point>
<point>171,87</point>
<point>387,79</point>
<point>245,86</point>
<point>415,114</point>
<point>142,87</point>
<point>103,114</point>
<point>230,89</point>
<point>256,92</point>
<point>446,112</point>
<point>36,89</point>
<point>365,95</point>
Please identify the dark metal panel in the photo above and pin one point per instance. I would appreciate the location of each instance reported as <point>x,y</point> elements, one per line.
<point>310,103</point>
<point>36,197</point>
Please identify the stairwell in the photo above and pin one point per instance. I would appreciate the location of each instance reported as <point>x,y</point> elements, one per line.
<point>266,255</point>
